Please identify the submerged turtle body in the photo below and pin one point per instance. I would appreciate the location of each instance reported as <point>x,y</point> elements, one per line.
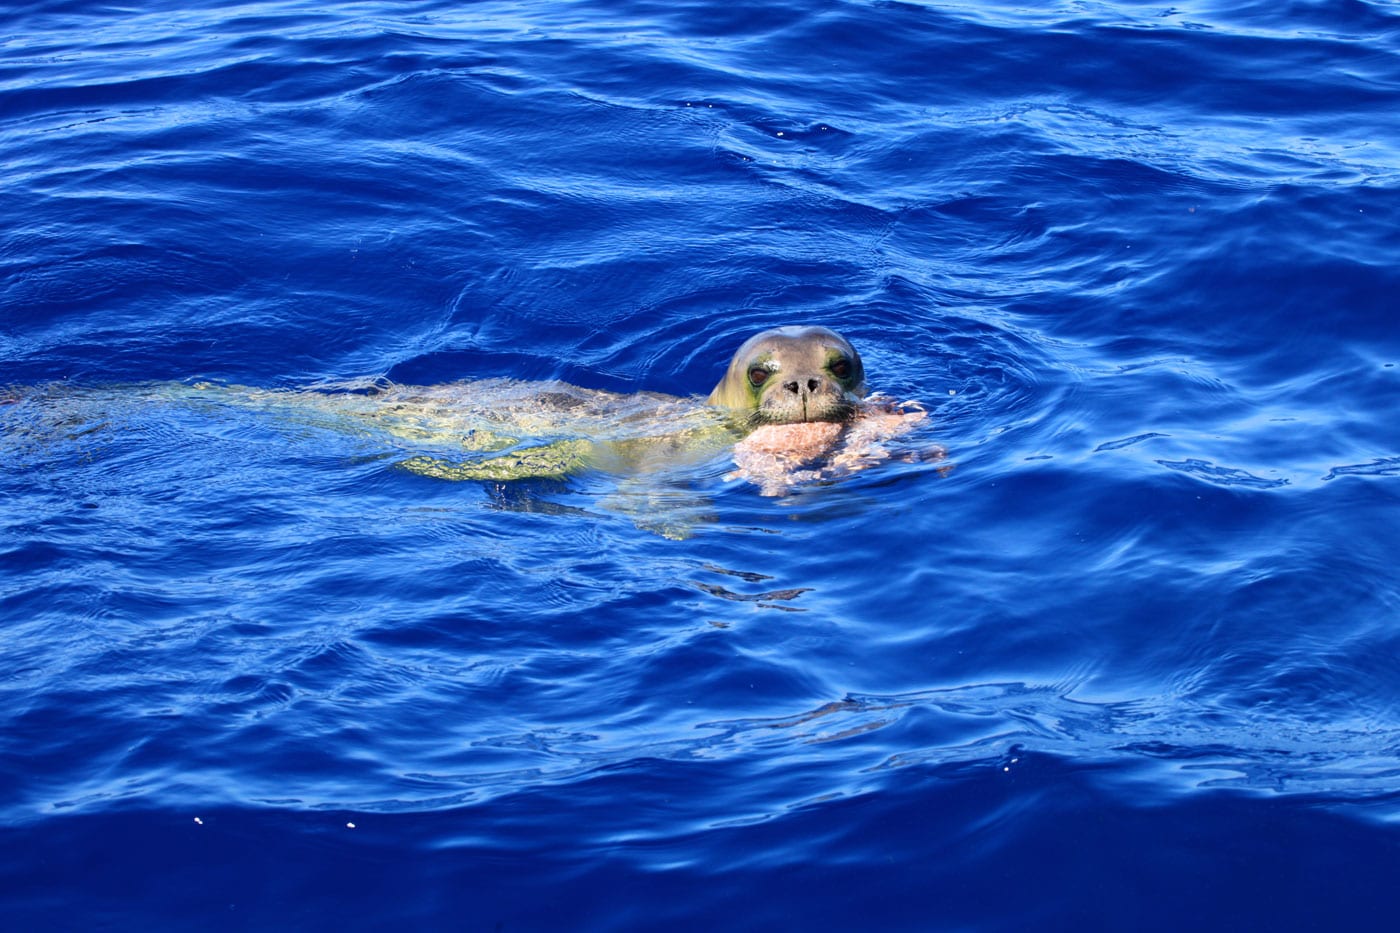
<point>505,429</point>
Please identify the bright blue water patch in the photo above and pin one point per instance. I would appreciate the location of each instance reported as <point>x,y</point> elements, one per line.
<point>1130,663</point>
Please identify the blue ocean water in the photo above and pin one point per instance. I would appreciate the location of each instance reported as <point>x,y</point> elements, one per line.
<point>1126,659</point>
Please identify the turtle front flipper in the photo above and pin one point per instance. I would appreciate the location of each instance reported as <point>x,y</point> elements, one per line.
<point>558,460</point>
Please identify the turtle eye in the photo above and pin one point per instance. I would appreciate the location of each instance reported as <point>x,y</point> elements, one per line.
<point>841,368</point>
<point>758,375</point>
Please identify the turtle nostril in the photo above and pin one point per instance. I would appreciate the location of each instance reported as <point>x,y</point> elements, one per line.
<point>812,385</point>
<point>791,387</point>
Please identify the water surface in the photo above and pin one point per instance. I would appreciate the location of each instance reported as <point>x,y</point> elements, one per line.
<point>1129,663</point>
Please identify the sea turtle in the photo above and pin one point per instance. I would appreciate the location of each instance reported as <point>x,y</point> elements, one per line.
<point>792,407</point>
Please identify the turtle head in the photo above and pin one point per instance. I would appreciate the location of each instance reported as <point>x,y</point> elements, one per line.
<point>793,374</point>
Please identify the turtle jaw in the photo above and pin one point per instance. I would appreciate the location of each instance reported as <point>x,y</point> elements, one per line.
<point>795,400</point>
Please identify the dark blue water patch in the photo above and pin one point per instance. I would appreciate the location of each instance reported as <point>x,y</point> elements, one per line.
<point>1035,842</point>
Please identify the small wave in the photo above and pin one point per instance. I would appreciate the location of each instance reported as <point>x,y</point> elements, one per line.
<point>1208,472</point>
<point>1385,466</point>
